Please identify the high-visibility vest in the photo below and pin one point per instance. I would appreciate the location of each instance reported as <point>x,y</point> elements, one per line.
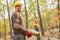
<point>36,27</point>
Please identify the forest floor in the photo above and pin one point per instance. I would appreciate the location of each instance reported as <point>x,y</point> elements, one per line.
<point>52,34</point>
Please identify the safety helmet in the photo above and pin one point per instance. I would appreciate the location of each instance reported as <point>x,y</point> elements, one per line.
<point>17,3</point>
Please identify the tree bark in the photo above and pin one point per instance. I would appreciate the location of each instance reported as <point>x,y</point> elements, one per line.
<point>40,21</point>
<point>9,19</point>
<point>4,24</point>
<point>26,14</point>
<point>59,15</point>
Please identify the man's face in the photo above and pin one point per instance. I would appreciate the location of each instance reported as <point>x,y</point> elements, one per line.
<point>18,8</point>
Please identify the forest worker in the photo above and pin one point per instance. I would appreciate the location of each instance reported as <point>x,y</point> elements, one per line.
<point>36,25</point>
<point>37,28</point>
<point>17,24</point>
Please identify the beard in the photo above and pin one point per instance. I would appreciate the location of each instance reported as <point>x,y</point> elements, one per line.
<point>19,10</point>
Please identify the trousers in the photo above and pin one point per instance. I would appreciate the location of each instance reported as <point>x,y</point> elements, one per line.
<point>18,37</point>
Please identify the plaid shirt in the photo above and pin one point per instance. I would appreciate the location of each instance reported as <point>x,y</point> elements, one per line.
<point>17,24</point>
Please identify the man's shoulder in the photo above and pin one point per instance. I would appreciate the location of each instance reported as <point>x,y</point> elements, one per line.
<point>14,13</point>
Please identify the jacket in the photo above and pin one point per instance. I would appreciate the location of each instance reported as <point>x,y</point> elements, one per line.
<point>17,24</point>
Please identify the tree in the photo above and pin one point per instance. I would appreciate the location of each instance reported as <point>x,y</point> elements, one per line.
<point>59,15</point>
<point>9,19</point>
<point>26,14</point>
<point>4,23</point>
<point>40,21</point>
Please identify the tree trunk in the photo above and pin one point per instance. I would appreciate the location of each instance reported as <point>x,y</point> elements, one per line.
<point>39,15</point>
<point>9,19</point>
<point>15,1</point>
<point>59,13</point>
<point>26,14</point>
<point>4,24</point>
